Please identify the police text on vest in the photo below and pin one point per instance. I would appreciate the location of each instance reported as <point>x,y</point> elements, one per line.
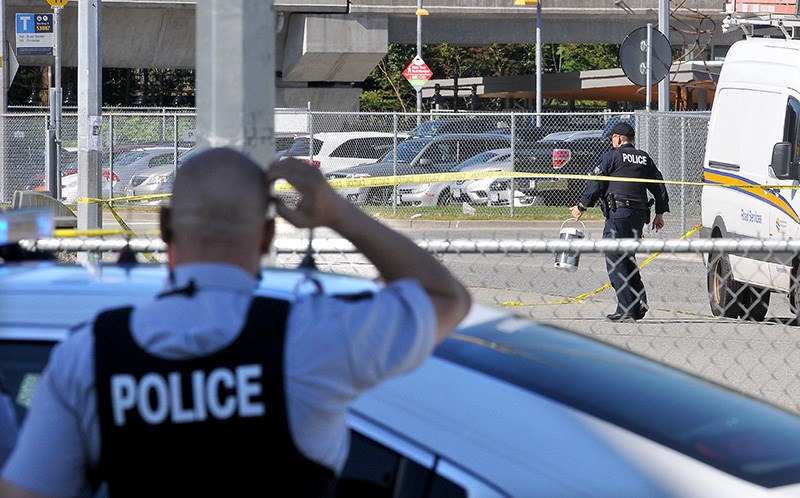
<point>221,394</point>
<point>634,158</point>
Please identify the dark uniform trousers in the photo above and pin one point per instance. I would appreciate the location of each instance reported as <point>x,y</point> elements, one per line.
<point>623,272</point>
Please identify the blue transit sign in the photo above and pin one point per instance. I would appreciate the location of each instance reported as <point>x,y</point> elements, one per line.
<point>34,34</point>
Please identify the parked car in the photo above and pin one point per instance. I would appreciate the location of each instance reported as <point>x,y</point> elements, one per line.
<point>477,191</point>
<point>443,193</point>
<point>561,153</point>
<point>69,186</point>
<point>443,126</point>
<point>155,181</point>
<point>337,150</point>
<point>506,407</point>
<point>416,156</point>
<point>116,178</point>
<point>69,165</point>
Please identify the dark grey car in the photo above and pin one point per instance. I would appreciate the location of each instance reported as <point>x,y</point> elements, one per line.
<point>436,154</point>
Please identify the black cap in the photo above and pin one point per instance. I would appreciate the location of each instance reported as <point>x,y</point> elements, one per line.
<point>623,129</point>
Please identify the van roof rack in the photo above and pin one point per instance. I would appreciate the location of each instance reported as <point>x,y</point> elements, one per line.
<point>749,16</point>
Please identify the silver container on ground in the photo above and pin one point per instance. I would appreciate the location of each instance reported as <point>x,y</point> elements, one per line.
<point>569,260</point>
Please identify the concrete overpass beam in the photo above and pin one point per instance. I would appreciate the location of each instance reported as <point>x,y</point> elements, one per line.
<point>333,47</point>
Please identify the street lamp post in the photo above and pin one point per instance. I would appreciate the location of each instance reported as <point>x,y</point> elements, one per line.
<point>538,55</point>
<point>420,12</point>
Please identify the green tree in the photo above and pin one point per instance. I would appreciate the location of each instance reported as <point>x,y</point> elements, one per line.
<point>386,89</point>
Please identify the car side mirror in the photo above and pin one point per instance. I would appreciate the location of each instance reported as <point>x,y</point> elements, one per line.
<point>424,161</point>
<point>781,164</point>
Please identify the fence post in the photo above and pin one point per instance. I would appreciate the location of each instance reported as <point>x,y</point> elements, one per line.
<point>683,174</point>
<point>513,149</point>
<point>175,141</point>
<point>110,156</point>
<point>394,165</point>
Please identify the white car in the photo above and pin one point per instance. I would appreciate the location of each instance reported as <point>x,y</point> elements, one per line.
<point>69,187</point>
<point>500,192</point>
<point>443,193</point>
<point>125,165</point>
<point>506,407</point>
<point>336,150</point>
<point>477,191</point>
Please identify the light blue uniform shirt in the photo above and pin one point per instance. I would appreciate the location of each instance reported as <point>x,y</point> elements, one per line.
<point>335,349</point>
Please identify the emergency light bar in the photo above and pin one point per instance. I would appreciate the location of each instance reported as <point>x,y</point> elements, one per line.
<point>20,224</point>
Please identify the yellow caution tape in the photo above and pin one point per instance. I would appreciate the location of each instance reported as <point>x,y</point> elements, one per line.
<point>99,232</point>
<point>94,200</point>
<point>126,230</point>
<point>390,180</point>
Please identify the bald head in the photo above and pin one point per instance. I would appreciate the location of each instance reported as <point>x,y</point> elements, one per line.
<point>218,194</point>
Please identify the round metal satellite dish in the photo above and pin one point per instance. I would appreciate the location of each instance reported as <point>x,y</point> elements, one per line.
<point>633,56</point>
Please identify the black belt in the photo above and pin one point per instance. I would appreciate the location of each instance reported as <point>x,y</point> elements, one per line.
<point>632,204</point>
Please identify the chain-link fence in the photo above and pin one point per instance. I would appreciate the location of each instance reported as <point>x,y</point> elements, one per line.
<point>126,139</point>
<point>493,208</point>
<point>493,165</point>
<point>433,166</point>
<point>749,345</point>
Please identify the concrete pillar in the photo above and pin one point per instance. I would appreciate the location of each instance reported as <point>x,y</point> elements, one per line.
<point>4,84</point>
<point>235,79</point>
<point>89,111</point>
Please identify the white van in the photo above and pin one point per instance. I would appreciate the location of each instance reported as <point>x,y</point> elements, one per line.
<point>753,139</point>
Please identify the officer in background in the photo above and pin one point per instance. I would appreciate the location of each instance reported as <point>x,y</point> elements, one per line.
<point>627,209</point>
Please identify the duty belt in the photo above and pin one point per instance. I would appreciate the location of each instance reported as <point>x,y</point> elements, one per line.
<point>631,204</point>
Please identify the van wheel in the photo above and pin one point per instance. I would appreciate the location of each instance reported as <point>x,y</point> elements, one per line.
<point>723,290</point>
<point>794,294</point>
<point>754,302</point>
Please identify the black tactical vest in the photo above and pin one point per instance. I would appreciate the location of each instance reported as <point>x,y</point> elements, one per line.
<point>210,426</point>
<point>629,162</point>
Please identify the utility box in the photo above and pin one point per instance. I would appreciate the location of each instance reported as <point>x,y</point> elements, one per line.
<point>784,7</point>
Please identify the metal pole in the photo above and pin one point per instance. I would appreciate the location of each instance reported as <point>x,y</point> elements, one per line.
<point>56,106</point>
<point>663,26</point>
<point>5,74</point>
<point>420,12</point>
<point>649,65</point>
<point>684,166</point>
<point>538,64</point>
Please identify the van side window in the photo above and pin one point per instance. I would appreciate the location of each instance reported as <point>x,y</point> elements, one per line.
<point>791,129</point>
<point>376,471</point>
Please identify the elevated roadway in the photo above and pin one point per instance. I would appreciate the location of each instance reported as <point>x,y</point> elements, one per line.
<point>323,47</point>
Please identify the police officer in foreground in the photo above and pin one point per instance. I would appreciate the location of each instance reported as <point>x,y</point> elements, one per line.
<point>627,209</point>
<point>209,390</point>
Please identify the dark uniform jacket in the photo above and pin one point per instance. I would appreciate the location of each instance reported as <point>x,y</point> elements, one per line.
<point>628,162</point>
<point>210,426</point>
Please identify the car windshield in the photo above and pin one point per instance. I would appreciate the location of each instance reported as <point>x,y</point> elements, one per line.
<point>406,151</point>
